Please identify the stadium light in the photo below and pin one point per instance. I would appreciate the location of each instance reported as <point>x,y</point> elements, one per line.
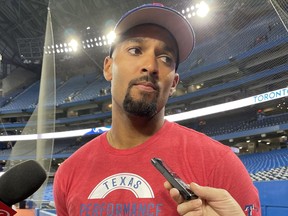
<point>90,40</point>
<point>111,37</point>
<point>202,9</point>
<point>73,44</point>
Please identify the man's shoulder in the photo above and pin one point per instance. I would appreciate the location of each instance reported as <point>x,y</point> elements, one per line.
<point>178,129</point>
<point>195,138</point>
<point>83,151</point>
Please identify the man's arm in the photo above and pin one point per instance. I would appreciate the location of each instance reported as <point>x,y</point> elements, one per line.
<point>59,196</point>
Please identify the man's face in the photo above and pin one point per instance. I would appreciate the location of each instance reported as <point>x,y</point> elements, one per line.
<point>142,70</point>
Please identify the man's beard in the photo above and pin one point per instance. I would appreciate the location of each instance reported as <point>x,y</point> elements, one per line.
<point>144,107</point>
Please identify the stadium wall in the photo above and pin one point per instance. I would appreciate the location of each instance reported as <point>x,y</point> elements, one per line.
<point>273,197</point>
<point>17,79</point>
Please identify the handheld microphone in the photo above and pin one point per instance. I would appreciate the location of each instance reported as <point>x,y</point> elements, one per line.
<point>20,182</point>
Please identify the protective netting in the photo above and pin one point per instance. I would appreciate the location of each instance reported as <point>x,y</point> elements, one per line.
<point>281,8</point>
<point>42,120</point>
<point>249,37</point>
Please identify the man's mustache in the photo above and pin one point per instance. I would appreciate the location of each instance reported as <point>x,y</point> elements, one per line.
<point>144,79</point>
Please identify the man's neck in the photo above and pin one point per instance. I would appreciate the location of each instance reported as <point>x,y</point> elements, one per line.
<point>131,131</point>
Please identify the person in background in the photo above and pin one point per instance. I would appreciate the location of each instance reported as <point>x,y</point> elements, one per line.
<point>112,174</point>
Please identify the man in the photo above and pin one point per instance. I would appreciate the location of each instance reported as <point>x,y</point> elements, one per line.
<point>113,174</point>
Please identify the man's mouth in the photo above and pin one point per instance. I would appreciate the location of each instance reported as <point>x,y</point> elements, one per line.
<point>146,86</point>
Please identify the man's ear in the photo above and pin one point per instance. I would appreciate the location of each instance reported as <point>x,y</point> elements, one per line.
<point>174,84</point>
<point>107,70</point>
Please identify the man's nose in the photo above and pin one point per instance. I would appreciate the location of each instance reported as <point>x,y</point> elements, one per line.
<point>150,65</point>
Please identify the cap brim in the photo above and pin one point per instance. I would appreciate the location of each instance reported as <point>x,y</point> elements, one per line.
<point>168,18</point>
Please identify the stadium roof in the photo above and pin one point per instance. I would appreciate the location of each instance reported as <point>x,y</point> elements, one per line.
<point>23,23</point>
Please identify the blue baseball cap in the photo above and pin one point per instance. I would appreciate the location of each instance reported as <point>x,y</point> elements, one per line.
<point>165,17</point>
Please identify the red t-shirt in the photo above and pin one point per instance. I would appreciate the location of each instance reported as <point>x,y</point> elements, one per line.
<point>99,180</point>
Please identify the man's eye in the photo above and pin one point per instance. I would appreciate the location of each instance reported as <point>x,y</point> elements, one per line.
<point>134,51</point>
<point>167,59</point>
